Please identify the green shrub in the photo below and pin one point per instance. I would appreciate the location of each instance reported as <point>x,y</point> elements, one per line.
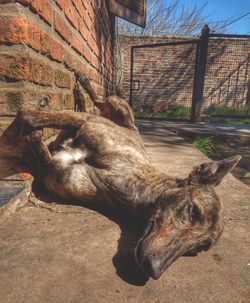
<point>205,144</point>
<point>226,110</point>
<point>247,175</point>
<point>178,111</point>
<point>163,111</point>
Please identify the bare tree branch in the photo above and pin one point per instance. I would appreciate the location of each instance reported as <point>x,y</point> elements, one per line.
<point>172,18</point>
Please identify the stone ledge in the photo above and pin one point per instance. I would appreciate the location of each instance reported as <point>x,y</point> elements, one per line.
<point>11,200</point>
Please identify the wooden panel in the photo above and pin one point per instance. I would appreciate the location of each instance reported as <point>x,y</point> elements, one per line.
<point>135,6</point>
<point>131,10</point>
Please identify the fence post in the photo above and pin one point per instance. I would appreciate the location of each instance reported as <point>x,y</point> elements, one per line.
<point>199,75</point>
<point>131,76</point>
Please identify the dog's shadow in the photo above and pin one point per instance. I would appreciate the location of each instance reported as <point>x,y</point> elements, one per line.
<point>124,259</point>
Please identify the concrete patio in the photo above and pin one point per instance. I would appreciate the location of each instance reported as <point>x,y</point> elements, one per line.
<point>68,253</point>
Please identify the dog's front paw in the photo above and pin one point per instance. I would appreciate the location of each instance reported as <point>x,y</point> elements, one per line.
<point>29,111</point>
<point>34,137</point>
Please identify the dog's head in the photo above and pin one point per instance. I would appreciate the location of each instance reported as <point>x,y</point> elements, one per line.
<point>184,220</point>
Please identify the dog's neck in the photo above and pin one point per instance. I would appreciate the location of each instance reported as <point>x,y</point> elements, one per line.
<point>136,191</point>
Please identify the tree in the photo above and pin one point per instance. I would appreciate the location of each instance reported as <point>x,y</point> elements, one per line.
<point>172,17</point>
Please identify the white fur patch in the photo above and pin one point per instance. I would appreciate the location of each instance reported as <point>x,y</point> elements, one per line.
<point>67,157</point>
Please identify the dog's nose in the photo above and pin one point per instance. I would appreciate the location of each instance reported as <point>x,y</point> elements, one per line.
<point>152,266</point>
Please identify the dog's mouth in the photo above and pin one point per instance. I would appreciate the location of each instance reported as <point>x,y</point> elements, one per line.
<point>203,247</point>
<point>154,264</point>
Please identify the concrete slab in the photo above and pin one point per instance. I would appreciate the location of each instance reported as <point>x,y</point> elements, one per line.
<point>230,132</point>
<point>68,253</point>
<point>7,193</point>
<point>14,188</point>
<point>15,183</point>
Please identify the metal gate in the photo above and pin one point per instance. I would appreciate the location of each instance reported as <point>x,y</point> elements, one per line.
<point>167,80</point>
<point>158,71</point>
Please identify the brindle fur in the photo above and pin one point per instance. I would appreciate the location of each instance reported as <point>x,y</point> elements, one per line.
<point>101,157</point>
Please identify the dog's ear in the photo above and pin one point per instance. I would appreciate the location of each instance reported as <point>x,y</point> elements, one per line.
<point>212,173</point>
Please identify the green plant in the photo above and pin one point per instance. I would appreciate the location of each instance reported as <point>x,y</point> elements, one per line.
<point>237,121</point>
<point>205,144</point>
<point>227,110</point>
<point>229,121</point>
<point>247,175</point>
<point>178,111</point>
<point>162,111</point>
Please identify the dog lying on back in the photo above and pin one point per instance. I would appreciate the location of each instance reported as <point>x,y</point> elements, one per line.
<point>100,156</point>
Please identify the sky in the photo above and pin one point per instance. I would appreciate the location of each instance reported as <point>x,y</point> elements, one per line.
<point>227,9</point>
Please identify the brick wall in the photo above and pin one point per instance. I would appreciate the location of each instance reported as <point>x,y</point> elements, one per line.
<point>42,43</point>
<point>158,71</point>
<point>227,80</point>
<point>166,73</point>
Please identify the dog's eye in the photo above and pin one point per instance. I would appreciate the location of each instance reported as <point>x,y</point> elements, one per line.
<point>151,227</point>
<point>195,213</point>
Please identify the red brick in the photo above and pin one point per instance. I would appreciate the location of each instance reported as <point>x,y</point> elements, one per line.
<point>13,67</point>
<point>24,2</point>
<point>34,35</point>
<point>89,56</point>
<point>18,29</point>
<point>41,73</point>
<point>10,101</point>
<point>86,18</point>
<point>71,61</point>
<point>84,15</point>
<point>61,3</point>
<point>71,14</point>
<point>84,31</point>
<point>43,9</point>
<point>62,79</point>
<point>78,45</point>
<point>69,101</point>
<point>22,67</point>
<point>13,29</point>
<point>52,48</point>
<point>79,7</point>
<point>62,28</point>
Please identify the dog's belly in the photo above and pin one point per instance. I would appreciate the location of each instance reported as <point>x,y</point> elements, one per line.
<point>70,176</point>
<point>110,142</point>
<point>73,183</point>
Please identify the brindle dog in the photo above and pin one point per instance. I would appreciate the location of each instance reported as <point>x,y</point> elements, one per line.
<point>102,157</point>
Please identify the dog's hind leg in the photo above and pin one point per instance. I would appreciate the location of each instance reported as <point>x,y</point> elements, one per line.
<point>85,83</point>
<point>113,108</point>
<point>83,101</point>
